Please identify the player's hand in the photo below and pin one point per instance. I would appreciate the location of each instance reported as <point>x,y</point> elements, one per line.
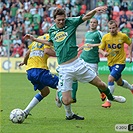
<point>130,58</point>
<point>21,64</point>
<point>105,54</point>
<point>89,45</point>
<point>101,9</point>
<point>28,36</point>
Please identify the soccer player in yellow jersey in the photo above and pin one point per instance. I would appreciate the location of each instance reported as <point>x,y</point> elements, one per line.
<point>112,47</point>
<point>39,75</point>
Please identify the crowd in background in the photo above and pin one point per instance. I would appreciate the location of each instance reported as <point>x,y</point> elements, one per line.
<point>19,18</point>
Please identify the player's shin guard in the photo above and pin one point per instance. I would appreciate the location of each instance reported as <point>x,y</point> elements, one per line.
<point>100,90</point>
<point>74,91</point>
<point>108,94</point>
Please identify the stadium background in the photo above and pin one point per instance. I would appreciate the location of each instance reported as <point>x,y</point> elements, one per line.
<point>18,18</point>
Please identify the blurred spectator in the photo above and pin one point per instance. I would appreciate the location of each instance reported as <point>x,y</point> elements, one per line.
<point>74,11</point>
<point>104,21</point>
<point>9,18</point>
<point>19,30</point>
<point>17,40</point>
<point>124,5</point>
<point>9,29</point>
<point>41,11</point>
<point>123,16</point>
<point>32,9</point>
<point>36,22</point>
<point>122,23</point>
<point>11,49</point>
<point>51,10</point>
<point>17,51</point>
<point>20,17</point>
<point>27,14</point>
<point>130,5</point>
<point>20,9</point>
<point>100,3</point>
<point>2,5</point>
<point>126,30</point>
<point>26,4</point>
<point>131,20</point>
<point>19,4</point>
<point>1,36</point>
<point>116,7</point>
<point>68,7</point>
<point>45,25</point>
<point>27,25</point>
<point>13,11</point>
<point>3,52</point>
<point>6,41</point>
<point>110,12</point>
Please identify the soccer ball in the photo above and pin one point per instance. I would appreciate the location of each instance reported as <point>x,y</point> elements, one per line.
<point>17,116</point>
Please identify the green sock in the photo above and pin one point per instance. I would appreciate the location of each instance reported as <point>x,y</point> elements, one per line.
<point>74,87</point>
<point>108,94</point>
<point>100,90</point>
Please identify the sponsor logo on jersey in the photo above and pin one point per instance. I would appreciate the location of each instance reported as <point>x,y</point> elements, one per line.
<point>60,36</point>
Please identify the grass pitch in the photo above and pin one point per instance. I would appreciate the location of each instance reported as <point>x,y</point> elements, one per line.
<point>16,92</point>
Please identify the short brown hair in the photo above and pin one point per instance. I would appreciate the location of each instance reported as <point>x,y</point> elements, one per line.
<point>58,11</point>
<point>113,22</point>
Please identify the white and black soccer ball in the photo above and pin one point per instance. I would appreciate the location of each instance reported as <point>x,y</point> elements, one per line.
<point>17,116</point>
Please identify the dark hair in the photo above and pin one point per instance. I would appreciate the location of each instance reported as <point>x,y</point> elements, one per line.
<point>113,22</point>
<point>58,11</point>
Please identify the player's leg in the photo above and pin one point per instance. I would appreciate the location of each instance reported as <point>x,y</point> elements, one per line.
<point>58,98</point>
<point>111,87</point>
<point>67,100</point>
<point>94,66</point>
<point>65,91</point>
<point>52,81</point>
<point>36,99</point>
<point>115,75</point>
<point>40,83</point>
<point>100,84</point>
<point>123,83</point>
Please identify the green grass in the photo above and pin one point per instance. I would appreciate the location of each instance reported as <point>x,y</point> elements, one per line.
<point>17,91</point>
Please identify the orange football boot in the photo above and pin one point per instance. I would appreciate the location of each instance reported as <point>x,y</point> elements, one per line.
<point>107,104</point>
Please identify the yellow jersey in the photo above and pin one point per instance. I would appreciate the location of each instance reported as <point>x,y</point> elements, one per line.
<point>37,58</point>
<point>114,45</point>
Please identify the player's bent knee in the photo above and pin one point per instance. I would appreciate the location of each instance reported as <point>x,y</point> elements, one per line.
<point>66,101</point>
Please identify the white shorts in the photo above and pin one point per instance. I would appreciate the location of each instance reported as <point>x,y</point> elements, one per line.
<point>76,70</point>
<point>94,66</point>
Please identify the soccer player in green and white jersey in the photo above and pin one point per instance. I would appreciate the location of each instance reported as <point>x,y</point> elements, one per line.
<point>90,52</point>
<point>63,38</point>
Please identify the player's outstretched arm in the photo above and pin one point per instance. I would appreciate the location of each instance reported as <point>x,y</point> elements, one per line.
<point>91,13</point>
<point>44,41</point>
<point>93,45</point>
<point>24,62</point>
